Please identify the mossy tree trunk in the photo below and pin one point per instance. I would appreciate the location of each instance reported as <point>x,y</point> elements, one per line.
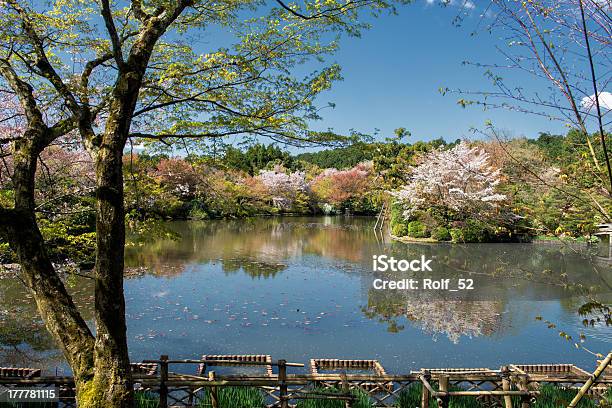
<point>100,363</point>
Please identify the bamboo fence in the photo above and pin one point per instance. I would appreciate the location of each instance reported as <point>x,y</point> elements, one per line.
<point>492,388</point>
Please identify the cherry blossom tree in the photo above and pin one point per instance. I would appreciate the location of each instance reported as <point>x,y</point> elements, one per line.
<point>178,175</point>
<point>460,179</point>
<point>284,187</point>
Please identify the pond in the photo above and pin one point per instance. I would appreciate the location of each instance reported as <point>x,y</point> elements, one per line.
<point>301,288</point>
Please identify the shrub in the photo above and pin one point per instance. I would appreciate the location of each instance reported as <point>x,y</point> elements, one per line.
<point>399,229</point>
<point>477,231</point>
<point>456,235</point>
<point>417,229</point>
<point>472,231</point>
<point>441,234</point>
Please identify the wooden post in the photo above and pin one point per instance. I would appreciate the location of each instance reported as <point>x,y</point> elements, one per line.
<point>425,392</point>
<point>345,390</point>
<point>525,399</point>
<point>190,398</point>
<point>505,375</point>
<point>214,396</point>
<point>443,400</point>
<point>163,377</point>
<point>587,385</point>
<point>282,383</point>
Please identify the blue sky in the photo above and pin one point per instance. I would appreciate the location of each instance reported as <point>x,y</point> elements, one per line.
<point>392,75</point>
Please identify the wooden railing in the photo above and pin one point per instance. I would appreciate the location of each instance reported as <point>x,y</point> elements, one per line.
<point>492,388</point>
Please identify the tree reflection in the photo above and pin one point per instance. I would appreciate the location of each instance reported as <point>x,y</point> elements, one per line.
<point>451,318</point>
<point>24,339</point>
<point>502,273</point>
<point>253,268</point>
<point>261,246</point>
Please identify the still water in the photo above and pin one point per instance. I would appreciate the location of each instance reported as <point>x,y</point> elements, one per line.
<point>301,288</point>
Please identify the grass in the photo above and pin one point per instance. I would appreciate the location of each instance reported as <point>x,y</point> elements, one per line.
<point>550,397</point>
<point>234,397</point>
<point>363,401</point>
<point>145,399</point>
<point>410,397</point>
<point>251,397</point>
<point>554,397</point>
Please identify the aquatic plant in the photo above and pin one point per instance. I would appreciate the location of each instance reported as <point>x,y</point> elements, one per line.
<point>362,401</point>
<point>234,397</point>
<point>145,399</point>
<point>552,397</point>
<point>410,397</point>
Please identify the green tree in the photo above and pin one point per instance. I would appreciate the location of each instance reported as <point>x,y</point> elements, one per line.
<point>339,158</point>
<point>108,73</point>
<point>256,157</point>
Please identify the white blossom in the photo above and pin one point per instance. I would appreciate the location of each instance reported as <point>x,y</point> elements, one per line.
<point>283,186</point>
<point>459,178</point>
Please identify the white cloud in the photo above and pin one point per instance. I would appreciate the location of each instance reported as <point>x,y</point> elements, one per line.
<point>605,102</point>
<point>466,4</point>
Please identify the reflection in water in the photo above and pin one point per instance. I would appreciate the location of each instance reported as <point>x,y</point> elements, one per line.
<point>24,341</point>
<point>503,272</point>
<point>302,287</point>
<point>452,318</point>
<point>270,241</point>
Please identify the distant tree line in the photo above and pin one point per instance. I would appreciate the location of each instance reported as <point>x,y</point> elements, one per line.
<point>546,189</point>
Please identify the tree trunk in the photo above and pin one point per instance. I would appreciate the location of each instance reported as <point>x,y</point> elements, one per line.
<point>112,383</point>
<point>54,304</point>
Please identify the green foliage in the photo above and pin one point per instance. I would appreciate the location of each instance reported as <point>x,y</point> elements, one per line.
<point>256,157</point>
<point>456,235</point>
<point>234,397</point>
<point>399,229</point>
<point>552,397</point>
<point>607,399</point>
<point>7,197</point>
<point>567,198</point>
<point>6,255</point>
<point>399,226</point>
<point>66,242</point>
<point>472,231</point>
<point>416,229</point>
<point>441,233</point>
<point>362,401</point>
<point>339,158</point>
<point>145,399</point>
<point>410,397</point>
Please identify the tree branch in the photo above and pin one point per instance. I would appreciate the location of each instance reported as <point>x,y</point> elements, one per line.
<point>602,133</point>
<point>42,63</point>
<point>112,31</point>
